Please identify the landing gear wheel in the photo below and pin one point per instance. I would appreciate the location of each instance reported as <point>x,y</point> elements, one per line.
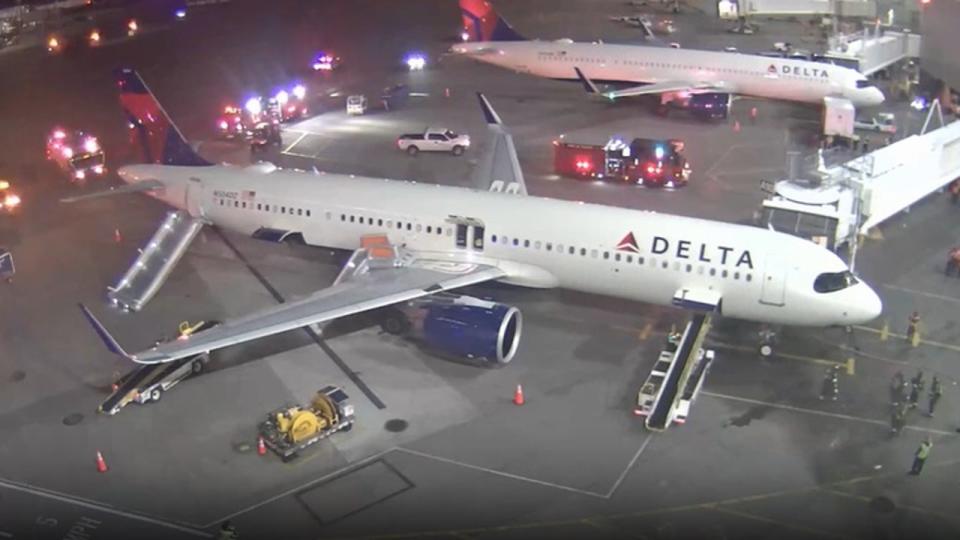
<point>396,323</point>
<point>766,351</point>
<point>197,366</point>
<point>155,395</point>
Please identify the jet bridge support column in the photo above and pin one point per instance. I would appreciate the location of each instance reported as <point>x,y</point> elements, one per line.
<point>678,374</point>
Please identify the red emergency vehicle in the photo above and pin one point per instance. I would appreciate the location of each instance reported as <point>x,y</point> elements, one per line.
<point>647,162</point>
<point>232,122</point>
<point>76,153</point>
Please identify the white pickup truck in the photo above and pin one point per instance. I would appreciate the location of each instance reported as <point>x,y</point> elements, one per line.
<point>433,140</point>
<point>882,123</point>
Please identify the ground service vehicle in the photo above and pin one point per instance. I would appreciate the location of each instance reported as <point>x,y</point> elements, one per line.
<point>9,200</point>
<point>648,162</point>
<point>76,153</point>
<point>356,104</point>
<point>395,96</point>
<point>292,428</point>
<point>264,135</point>
<point>881,123</point>
<point>433,140</point>
<point>7,270</point>
<point>148,382</point>
<point>232,123</point>
<point>324,61</point>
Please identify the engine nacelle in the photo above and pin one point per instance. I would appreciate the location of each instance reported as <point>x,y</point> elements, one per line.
<point>460,326</point>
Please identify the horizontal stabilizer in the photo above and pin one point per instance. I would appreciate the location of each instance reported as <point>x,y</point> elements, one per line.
<point>139,187</point>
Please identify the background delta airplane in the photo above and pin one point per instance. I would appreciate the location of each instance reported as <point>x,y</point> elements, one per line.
<point>413,243</point>
<point>674,74</point>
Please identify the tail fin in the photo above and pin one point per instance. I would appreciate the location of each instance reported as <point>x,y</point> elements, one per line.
<point>105,336</point>
<point>482,23</point>
<point>157,136</point>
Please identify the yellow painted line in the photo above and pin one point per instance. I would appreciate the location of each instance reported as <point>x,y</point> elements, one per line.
<point>296,142</point>
<point>862,498</point>
<point>645,333</point>
<point>779,523</point>
<point>851,363</point>
<point>935,344</point>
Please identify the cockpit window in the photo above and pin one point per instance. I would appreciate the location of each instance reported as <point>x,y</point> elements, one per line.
<point>834,281</point>
<point>865,83</point>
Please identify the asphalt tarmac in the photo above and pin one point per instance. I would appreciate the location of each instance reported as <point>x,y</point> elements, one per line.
<point>439,449</point>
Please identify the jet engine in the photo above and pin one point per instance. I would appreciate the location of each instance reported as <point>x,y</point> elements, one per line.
<point>459,326</point>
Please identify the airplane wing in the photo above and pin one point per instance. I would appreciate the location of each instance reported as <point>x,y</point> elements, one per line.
<point>376,276</point>
<point>499,170</point>
<point>656,88</point>
<point>139,187</point>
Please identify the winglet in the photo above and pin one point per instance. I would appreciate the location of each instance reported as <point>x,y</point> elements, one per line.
<point>587,83</point>
<point>488,113</point>
<point>105,336</point>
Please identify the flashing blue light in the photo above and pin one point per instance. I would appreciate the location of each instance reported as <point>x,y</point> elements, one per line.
<point>180,13</point>
<point>659,152</point>
<point>919,103</point>
<point>416,61</point>
<point>253,106</point>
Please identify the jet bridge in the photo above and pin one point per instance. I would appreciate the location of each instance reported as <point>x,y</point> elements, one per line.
<point>676,378</point>
<point>854,196</point>
<point>155,261</point>
<point>871,51</point>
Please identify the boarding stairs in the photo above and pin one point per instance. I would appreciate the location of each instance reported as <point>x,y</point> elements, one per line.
<point>155,262</point>
<point>688,366</point>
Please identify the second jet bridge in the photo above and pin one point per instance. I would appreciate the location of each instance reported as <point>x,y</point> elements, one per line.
<point>680,377</point>
<point>155,261</point>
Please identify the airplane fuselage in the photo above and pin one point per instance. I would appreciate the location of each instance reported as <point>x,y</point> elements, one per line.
<point>759,274</point>
<point>744,74</point>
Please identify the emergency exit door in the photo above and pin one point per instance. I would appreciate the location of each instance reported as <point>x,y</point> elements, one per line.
<point>773,289</point>
<point>469,233</point>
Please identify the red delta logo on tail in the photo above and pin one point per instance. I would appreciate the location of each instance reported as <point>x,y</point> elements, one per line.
<point>482,23</point>
<point>629,243</point>
<point>151,128</point>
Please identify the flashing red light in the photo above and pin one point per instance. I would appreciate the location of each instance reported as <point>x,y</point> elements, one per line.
<point>651,168</point>
<point>583,165</point>
<point>924,2</point>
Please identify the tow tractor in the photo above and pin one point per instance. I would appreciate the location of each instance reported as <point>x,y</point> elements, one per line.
<point>265,134</point>
<point>647,162</point>
<point>147,383</point>
<point>76,153</point>
<point>292,428</point>
<point>676,378</point>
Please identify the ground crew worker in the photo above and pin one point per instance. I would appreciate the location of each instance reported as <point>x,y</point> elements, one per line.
<point>228,531</point>
<point>953,261</point>
<point>896,388</point>
<point>753,115</point>
<point>923,452</point>
<point>673,341</point>
<point>955,191</point>
<point>831,384</point>
<point>898,420</point>
<point>916,387</point>
<point>935,392</point>
<point>913,324</point>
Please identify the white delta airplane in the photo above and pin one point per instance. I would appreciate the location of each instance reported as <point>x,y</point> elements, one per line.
<point>414,243</point>
<point>702,79</point>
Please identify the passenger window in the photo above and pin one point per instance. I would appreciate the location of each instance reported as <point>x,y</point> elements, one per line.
<point>549,247</point>
<point>244,205</point>
<point>606,255</point>
<point>749,277</point>
<point>629,258</point>
<point>258,206</point>
<point>689,268</point>
<point>736,275</point>
<point>713,271</point>
<point>616,257</point>
<point>429,229</point>
<point>583,252</point>
<point>236,204</point>
<point>379,223</point>
<point>724,274</point>
<point>665,264</point>
<point>399,225</point>
<point>409,227</point>
<point>571,250</point>
<point>299,211</point>
<point>526,243</point>
<point>536,244</point>
<point>419,227</point>
<point>640,260</point>
<point>352,219</point>
<point>308,213</point>
<point>594,253</point>
<point>493,238</point>
<point>516,242</point>
<point>343,217</point>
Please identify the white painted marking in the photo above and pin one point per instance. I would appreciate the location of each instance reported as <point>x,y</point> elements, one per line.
<point>107,509</point>
<point>629,466</point>
<point>922,293</point>
<point>822,413</point>
<point>503,474</point>
<point>295,154</point>
<point>296,142</point>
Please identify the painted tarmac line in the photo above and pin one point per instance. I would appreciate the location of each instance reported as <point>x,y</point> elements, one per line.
<point>296,142</point>
<point>742,348</point>
<point>884,423</point>
<point>102,507</point>
<point>800,528</point>
<point>921,293</point>
<point>503,474</point>
<point>629,466</point>
<point>902,337</point>
<point>296,154</point>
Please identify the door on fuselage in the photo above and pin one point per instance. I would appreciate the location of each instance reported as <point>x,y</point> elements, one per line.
<point>773,288</point>
<point>469,233</point>
<point>193,197</point>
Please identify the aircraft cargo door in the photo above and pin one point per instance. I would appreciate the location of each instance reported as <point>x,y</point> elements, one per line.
<point>773,289</point>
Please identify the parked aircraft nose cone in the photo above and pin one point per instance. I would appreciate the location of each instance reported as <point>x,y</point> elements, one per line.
<point>868,306</point>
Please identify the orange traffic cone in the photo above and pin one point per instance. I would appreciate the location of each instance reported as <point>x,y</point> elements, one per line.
<point>101,464</point>
<point>736,126</point>
<point>114,387</point>
<point>261,447</point>
<point>518,396</point>
<point>116,236</point>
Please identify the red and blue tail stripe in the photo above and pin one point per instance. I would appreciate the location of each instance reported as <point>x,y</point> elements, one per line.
<point>158,138</point>
<point>482,23</point>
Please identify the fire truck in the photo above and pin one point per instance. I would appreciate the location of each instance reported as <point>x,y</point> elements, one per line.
<point>646,162</point>
<point>76,153</point>
<point>232,122</point>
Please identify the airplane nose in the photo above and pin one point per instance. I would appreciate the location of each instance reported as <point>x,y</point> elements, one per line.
<point>868,305</point>
<point>877,97</point>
